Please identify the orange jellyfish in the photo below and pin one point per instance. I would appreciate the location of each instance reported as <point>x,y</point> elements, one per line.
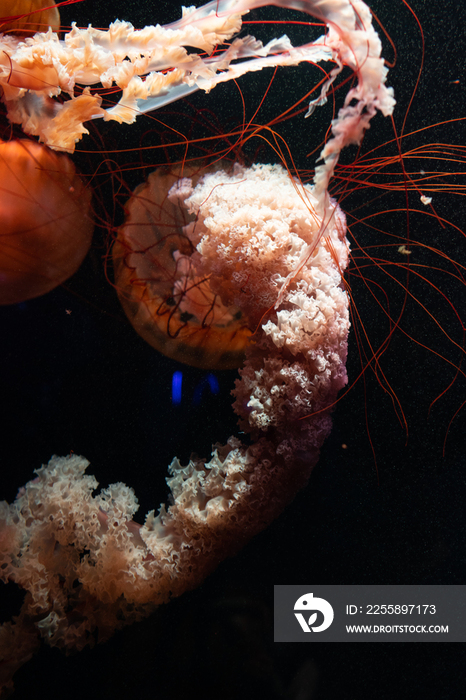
<point>167,302</point>
<point>45,226</point>
<point>29,16</point>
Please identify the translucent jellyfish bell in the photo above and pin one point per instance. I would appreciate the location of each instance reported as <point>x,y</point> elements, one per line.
<point>29,19</point>
<point>166,300</point>
<point>45,227</point>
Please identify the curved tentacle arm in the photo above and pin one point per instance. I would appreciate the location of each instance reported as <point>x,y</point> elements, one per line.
<point>81,558</point>
<point>153,67</point>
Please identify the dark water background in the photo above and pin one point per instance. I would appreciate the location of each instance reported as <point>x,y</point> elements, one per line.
<point>86,382</point>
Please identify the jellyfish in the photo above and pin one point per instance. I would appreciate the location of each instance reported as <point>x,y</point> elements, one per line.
<point>29,17</point>
<point>46,227</point>
<point>45,209</point>
<point>169,303</point>
<point>294,365</point>
<point>44,67</point>
<point>116,505</point>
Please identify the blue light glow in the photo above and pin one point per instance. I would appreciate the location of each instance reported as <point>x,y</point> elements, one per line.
<point>177,382</point>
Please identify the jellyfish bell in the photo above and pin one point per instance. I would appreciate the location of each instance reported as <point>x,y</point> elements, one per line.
<point>28,16</point>
<point>46,227</point>
<point>169,302</point>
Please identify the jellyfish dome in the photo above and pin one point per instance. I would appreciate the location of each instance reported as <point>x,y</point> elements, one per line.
<point>29,16</point>
<point>168,301</point>
<point>45,228</point>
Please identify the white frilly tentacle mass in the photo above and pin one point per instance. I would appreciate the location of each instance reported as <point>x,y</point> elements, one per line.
<point>81,558</point>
